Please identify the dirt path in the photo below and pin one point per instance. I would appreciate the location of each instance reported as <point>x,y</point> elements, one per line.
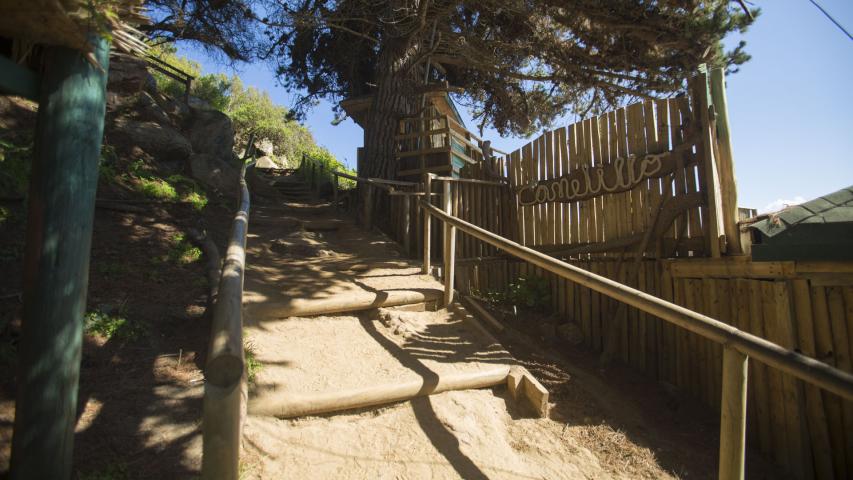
<point>304,256</point>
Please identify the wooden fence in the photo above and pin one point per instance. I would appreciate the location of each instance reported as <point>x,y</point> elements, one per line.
<point>674,236</point>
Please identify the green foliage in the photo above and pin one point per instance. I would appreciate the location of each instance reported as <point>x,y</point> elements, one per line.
<point>190,191</point>
<point>214,89</point>
<point>15,162</point>
<point>107,163</point>
<point>324,164</point>
<point>251,110</point>
<point>172,188</point>
<point>528,291</point>
<point>157,188</point>
<point>112,326</point>
<point>183,252</point>
<point>253,365</point>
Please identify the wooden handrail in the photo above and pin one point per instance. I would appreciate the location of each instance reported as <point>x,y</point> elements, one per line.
<point>224,376</point>
<point>380,181</point>
<point>769,353</point>
<point>469,180</point>
<point>737,345</point>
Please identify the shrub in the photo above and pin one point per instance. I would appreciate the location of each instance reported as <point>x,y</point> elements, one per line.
<point>110,326</point>
<point>183,252</point>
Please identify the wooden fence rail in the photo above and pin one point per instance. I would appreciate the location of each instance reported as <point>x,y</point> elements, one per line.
<point>225,389</point>
<point>737,344</point>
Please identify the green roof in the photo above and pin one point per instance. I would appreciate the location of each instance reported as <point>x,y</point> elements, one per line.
<point>833,208</point>
<point>820,229</point>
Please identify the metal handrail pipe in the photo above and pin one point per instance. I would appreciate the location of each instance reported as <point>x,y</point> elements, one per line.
<point>769,353</point>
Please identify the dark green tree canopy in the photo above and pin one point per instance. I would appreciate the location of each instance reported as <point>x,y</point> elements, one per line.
<point>518,63</point>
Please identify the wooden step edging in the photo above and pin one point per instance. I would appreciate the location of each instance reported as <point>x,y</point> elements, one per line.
<point>343,303</point>
<point>522,387</point>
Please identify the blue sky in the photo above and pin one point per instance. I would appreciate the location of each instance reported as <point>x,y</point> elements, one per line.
<point>789,107</point>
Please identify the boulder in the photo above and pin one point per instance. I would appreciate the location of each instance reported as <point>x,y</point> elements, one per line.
<point>267,162</point>
<point>148,109</point>
<point>129,75</point>
<point>215,173</point>
<point>265,148</point>
<point>162,142</point>
<point>211,132</point>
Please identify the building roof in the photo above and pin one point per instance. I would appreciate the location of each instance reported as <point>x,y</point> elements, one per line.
<point>820,229</point>
<point>358,107</point>
<point>832,208</point>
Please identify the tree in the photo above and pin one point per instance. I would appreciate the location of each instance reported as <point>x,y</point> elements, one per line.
<point>519,63</point>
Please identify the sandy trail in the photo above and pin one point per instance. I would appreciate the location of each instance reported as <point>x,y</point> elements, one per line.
<point>307,251</point>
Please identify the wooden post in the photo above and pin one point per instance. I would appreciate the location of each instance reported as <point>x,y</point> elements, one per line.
<point>187,87</point>
<point>725,162</point>
<point>407,224</point>
<point>449,246</point>
<point>334,190</point>
<point>368,207</point>
<point>61,213</point>
<point>717,238</point>
<point>427,223</point>
<point>733,414</point>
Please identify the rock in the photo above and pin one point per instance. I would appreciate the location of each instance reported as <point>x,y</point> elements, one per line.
<point>213,172</point>
<point>129,75</point>
<point>148,109</point>
<point>570,333</point>
<point>266,162</point>
<point>265,148</point>
<point>177,110</point>
<point>162,142</point>
<point>210,131</point>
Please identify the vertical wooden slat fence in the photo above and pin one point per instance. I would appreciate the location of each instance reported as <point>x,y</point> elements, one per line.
<point>690,217</point>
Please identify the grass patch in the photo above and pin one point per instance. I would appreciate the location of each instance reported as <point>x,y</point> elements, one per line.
<point>157,188</point>
<point>253,365</point>
<point>171,189</point>
<point>112,326</point>
<point>197,199</point>
<point>183,252</point>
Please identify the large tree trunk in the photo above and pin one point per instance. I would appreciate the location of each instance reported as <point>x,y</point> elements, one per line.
<point>394,98</point>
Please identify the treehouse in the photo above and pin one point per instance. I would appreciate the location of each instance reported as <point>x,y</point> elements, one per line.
<point>435,140</point>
